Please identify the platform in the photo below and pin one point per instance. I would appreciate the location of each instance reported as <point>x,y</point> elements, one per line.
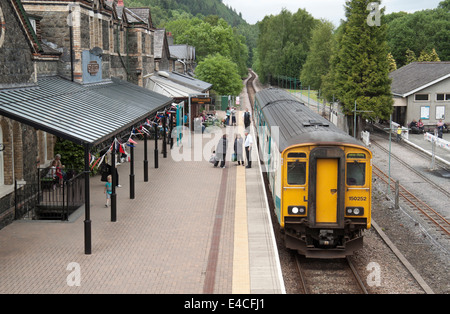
<point>191,229</point>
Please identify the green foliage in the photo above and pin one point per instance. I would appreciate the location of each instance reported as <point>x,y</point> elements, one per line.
<point>222,73</point>
<point>362,68</point>
<point>420,31</point>
<point>392,63</point>
<point>72,155</point>
<point>428,56</point>
<point>166,10</point>
<point>318,60</point>
<point>211,36</point>
<point>283,43</point>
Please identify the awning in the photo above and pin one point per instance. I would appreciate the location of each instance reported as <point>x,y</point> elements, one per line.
<point>176,85</point>
<point>162,85</point>
<point>83,114</point>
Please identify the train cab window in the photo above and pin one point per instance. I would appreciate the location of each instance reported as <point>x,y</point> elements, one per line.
<point>296,173</point>
<point>356,173</point>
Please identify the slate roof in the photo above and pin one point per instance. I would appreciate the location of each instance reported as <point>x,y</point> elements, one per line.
<point>417,76</point>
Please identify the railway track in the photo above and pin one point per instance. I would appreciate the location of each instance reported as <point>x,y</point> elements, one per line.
<point>442,224</point>
<point>250,89</point>
<point>336,276</point>
<point>418,173</point>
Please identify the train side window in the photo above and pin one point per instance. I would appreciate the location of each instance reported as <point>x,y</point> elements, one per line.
<point>296,173</point>
<point>356,173</point>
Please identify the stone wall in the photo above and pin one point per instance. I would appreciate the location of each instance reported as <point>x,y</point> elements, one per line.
<point>16,66</point>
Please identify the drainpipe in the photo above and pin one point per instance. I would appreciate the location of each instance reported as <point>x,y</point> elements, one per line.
<point>71,45</point>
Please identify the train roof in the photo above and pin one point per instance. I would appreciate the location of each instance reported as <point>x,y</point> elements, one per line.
<point>297,123</point>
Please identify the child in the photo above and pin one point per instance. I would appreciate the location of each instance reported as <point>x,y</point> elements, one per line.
<point>108,190</point>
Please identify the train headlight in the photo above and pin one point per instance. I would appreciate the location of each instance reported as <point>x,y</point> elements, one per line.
<point>296,210</point>
<point>355,211</point>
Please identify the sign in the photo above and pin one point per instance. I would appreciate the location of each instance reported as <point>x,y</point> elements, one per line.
<point>200,100</point>
<point>93,67</point>
<point>425,112</point>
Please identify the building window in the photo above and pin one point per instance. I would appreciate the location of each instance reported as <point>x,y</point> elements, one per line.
<point>421,97</point>
<point>443,97</point>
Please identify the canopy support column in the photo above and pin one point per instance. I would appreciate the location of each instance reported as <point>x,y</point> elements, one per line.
<point>87,202</point>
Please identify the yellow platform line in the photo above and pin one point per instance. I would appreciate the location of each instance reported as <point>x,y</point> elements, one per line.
<point>241,259</point>
<point>241,265</point>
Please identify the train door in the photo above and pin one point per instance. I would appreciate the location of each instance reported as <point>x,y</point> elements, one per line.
<point>326,190</point>
<point>326,193</point>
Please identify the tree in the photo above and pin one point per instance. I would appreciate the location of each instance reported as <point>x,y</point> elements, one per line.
<point>211,36</point>
<point>428,57</point>
<point>410,56</point>
<point>318,61</point>
<point>420,31</point>
<point>222,73</point>
<point>362,69</point>
<point>392,63</point>
<point>283,43</point>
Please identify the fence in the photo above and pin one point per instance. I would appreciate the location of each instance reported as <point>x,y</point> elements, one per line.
<point>48,198</point>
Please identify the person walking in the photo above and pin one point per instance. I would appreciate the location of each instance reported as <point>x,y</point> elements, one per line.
<point>221,152</point>
<point>108,190</point>
<point>238,149</point>
<point>248,148</point>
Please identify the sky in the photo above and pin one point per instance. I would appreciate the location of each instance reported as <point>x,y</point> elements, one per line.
<point>331,10</point>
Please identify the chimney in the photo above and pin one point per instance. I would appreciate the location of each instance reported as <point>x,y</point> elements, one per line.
<point>169,38</point>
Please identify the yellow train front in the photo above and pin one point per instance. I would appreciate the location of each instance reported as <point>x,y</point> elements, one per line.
<point>320,178</point>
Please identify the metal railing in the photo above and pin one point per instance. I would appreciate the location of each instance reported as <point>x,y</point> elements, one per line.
<point>49,199</point>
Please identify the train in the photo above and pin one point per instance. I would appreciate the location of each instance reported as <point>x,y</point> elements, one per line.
<point>319,177</point>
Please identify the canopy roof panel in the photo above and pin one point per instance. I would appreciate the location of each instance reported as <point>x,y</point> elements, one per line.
<point>84,114</point>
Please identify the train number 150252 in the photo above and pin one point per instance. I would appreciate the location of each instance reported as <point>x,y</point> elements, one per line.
<point>357,198</point>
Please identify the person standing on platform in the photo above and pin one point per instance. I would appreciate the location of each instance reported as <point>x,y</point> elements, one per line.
<point>399,133</point>
<point>221,152</point>
<point>238,149</point>
<point>248,148</point>
<point>247,118</point>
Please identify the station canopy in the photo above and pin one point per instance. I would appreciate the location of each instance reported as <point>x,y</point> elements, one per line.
<point>176,85</point>
<point>83,114</point>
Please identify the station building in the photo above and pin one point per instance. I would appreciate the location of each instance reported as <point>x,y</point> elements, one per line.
<point>89,47</point>
<point>422,91</point>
